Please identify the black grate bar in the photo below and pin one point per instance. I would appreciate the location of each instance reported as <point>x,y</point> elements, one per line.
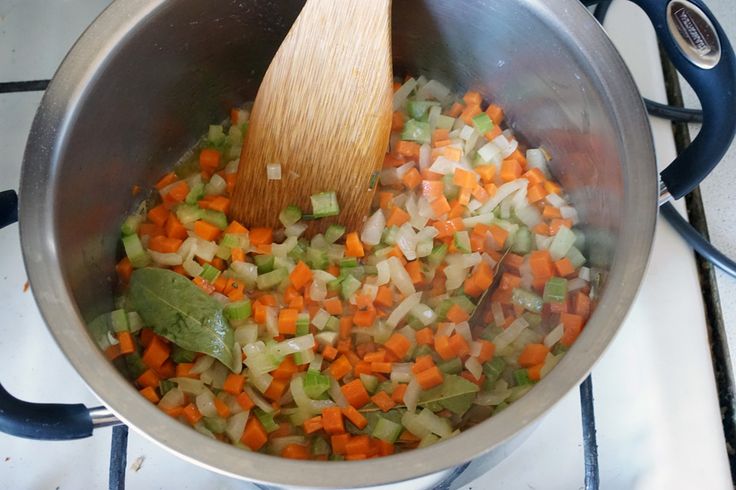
<point>118,457</point>
<point>27,86</point>
<point>590,445</point>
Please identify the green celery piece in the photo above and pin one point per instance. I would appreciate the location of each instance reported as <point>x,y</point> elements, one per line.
<point>179,354</point>
<point>451,366</point>
<point>135,365</point>
<point>320,446</point>
<point>215,424</point>
<point>369,381</point>
<point>271,279</point>
<point>442,309</point>
<point>195,194</point>
<point>187,167</point>
<point>349,286</point>
<point>422,350</point>
<point>239,310</point>
<point>334,232</point>
<point>455,394</point>
<point>216,218</point>
<point>266,419</point>
<point>333,324</point>
<point>229,240</point>
<point>555,290</point>
<point>483,123</point>
<point>462,241</point>
<point>216,135</point>
<point>386,430</point>
<point>130,224</point>
<point>534,319</point>
<point>264,263</point>
<point>348,262</point>
<point>119,321</point>
<point>165,385</point>
<point>463,302</point>
<point>417,109</point>
<point>290,215</point>
<point>317,258</point>
<point>315,384</point>
<point>188,213</point>
<point>416,131</point>
<point>302,324</point>
<point>325,204</point>
<point>451,189</point>
<point>521,377</point>
<point>297,253</point>
<point>438,255</point>
<point>209,273</point>
<point>135,252</point>
<point>444,122</point>
<point>494,368</point>
<point>527,300</point>
<point>522,243</point>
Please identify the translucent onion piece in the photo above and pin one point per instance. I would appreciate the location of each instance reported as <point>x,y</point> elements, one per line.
<point>403,309</point>
<point>373,228</point>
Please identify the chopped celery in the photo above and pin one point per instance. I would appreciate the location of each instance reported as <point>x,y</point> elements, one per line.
<point>131,223</point>
<point>216,135</point>
<point>195,193</point>
<point>135,365</point>
<point>462,241</point>
<point>463,302</point>
<point>422,350</point>
<point>266,419</point>
<point>297,253</point>
<point>302,324</point>
<point>134,250</point>
<point>417,109</point>
<point>215,424</point>
<point>271,279</point>
<point>561,243</point>
<point>416,131</point>
<point>333,324</point>
<point>521,377</point>
<point>188,213</point>
<point>239,310</point>
<point>334,232</point>
<point>320,447</point>
<point>452,366</point>
<point>438,255</point>
<point>444,122</point>
<point>369,381</point>
<point>349,286</point>
<point>442,309</point>
<point>522,243</point>
<point>483,123</point>
<point>555,290</point>
<point>493,369</point>
<point>209,273</point>
<point>451,189</point>
<point>135,322</point>
<point>317,258</point>
<point>348,263</point>
<point>576,258</point>
<point>229,240</point>
<point>264,263</point>
<point>217,218</point>
<point>119,321</point>
<point>165,385</point>
<point>290,215</point>
<point>315,384</point>
<point>179,354</point>
<point>389,235</point>
<point>325,204</point>
<point>387,430</point>
<point>527,300</point>
<point>534,319</point>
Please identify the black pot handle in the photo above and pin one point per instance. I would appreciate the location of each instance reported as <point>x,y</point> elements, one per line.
<point>47,421</point>
<point>701,52</point>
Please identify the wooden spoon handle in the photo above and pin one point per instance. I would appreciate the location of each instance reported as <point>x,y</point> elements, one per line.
<point>323,112</point>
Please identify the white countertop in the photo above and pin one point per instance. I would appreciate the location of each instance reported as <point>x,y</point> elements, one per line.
<point>656,408</point>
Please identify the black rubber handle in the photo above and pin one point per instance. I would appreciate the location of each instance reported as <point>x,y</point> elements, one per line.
<point>700,51</point>
<point>46,421</point>
<point>8,208</point>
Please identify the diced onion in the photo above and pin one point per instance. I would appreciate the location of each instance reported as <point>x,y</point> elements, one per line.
<point>173,398</point>
<point>411,395</point>
<point>403,92</point>
<point>294,344</point>
<point>507,147</point>
<point>215,186</point>
<point>584,274</point>
<point>502,193</point>
<point>575,284</point>
<point>258,400</point>
<point>206,404</point>
<point>320,319</point>
<point>189,385</point>
<point>443,166</point>
<point>400,372</point>
<point>383,272</point>
<point>202,364</point>
<point>403,309</point>
<point>236,425</point>
<point>165,258</point>
<point>554,335</point>
<point>554,200</point>
<point>336,393</point>
<point>424,314</point>
<point>318,290</point>
<point>497,311</point>
<point>373,228</point>
<point>535,158</point>
<point>506,337</point>
<point>474,367</point>
<point>463,329</point>
<point>399,277</point>
<point>273,171</point>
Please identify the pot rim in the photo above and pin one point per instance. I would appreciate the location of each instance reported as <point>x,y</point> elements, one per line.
<point>64,99</point>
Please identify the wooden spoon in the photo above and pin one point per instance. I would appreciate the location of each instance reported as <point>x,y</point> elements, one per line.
<point>323,112</point>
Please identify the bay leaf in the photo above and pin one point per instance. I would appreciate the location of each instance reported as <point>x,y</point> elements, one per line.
<point>178,310</point>
<point>455,394</point>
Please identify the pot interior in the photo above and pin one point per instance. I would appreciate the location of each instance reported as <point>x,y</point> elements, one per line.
<point>144,82</point>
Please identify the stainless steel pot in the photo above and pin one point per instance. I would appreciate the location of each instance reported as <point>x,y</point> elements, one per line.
<point>138,87</point>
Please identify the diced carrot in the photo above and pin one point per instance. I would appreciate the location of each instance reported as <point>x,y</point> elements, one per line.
<point>440,206</point>
<point>164,244</point>
<point>235,228</point>
<point>532,354</point>
<point>220,203</point>
<point>150,394</point>
<point>536,192</point>
<point>295,451</point>
<point>355,393</point>
<point>541,229</point>
<point>452,153</point>
<point>557,223</point>
<point>385,448</point>
<point>113,352</point>
<point>244,401</point>
<point>329,352</point>
<point>192,414</point>
<point>384,297</point>
<point>167,179</point>
<point>385,200</point>
<point>408,149</point>
<point>222,409</point>
<point>487,350</point>
<point>340,367</point>
<point>535,177</point>
<point>287,321</point>
<point>124,269</point>
<point>397,217</point>
<point>582,304</point>
<point>481,194</point>
<point>414,269</point>
<point>422,363</point>
<point>353,245</point>
<point>456,109</point>
<point>254,436</point>
<point>354,416</point>
<point>261,236</point>
<point>398,394</point>
<point>234,384</point>
<point>206,230</point>
<point>338,443</point>
<point>158,215</point>
<point>486,172</point>
<point>443,348</point>
<point>469,113</point>
<point>276,389</point>
<point>564,267</point>
<point>510,170</point>
<point>397,121</point>
<point>183,370</point>
<point>535,372</point>
<point>365,318</point>
<point>431,189</point>
<point>209,160</point>
<point>552,187</point>
<point>150,229</point>
<point>174,228</point>
<point>540,263</point>
<point>551,212</point>
<point>459,345</point>
<point>456,314</point>
<point>465,178</point>
<point>178,192</point>
<point>313,425</point>
<point>472,98</point>
<point>493,133</point>
<point>332,420</point>
<point>411,179</point>
<point>125,340</point>
<point>425,336</point>
<point>156,353</point>
<point>429,378</point>
<point>381,367</point>
<point>440,134</point>
<point>495,113</point>
<point>286,369</point>
<point>398,345</point>
<point>358,445</point>
<point>333,306</point>
<point>572,325</point>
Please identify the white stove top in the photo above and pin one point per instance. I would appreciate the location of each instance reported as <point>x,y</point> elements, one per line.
<point>656,408</point>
